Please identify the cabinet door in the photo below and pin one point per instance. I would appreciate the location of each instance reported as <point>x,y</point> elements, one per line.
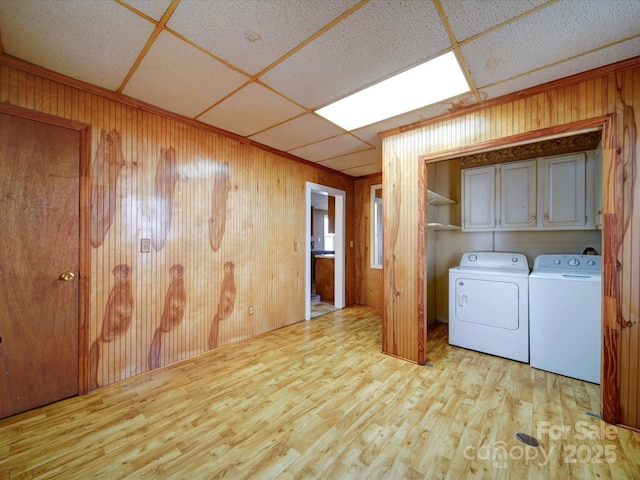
<point>518,195</point>
<point>564,191</point>
<point>479,202</point>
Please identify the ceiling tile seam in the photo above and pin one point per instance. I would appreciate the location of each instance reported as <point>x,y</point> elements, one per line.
<point>354,166</point>
<point>507,22</point>
<point>137,12</point>
<point>347,154</point>
<point>372,146</point>
<point>152,38</point>
<point>228,95</point>
<point>363,140</point>
<point>207,52</point>
<point>559,62</point>
<point>302,114</point>
<point>456,49</point>
<point>250,81</point>
<point>360,166</point>
<point>319,33</point>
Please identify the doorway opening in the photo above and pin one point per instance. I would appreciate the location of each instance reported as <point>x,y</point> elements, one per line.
<point>325,250</point>
<point>604,161</point>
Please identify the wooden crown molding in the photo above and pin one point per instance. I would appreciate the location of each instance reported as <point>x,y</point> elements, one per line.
<point>459,111</point>
<point>33,69</point>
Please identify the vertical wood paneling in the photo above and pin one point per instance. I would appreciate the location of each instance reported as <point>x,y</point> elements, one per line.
<point>368,281</point>
<point>400,324</point>
<point>264,236</point>
<point>551,108</point>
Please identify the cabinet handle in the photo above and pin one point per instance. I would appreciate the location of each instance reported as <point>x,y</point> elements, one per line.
<point>533,217</point>
<point>546,217</point>
<point>598,212</point>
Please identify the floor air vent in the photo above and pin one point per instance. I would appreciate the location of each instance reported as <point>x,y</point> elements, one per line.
<point>527,439</point>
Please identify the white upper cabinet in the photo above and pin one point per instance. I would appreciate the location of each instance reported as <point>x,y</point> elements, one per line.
<point>557,193</point>
<point>564,193</point>
<point>479,198</point>
<point>518,195</point>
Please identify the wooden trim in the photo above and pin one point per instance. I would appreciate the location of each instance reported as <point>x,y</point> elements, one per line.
<point>422,263</point>
<point>520,138</point>
<point>610,240</point>
<point>511,97</point>
<point>147,107</point>
<point>85,260</point>
<point>83,213</point>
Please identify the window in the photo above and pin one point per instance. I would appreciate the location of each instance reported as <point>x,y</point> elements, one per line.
<point>376,226</point>
<point>329,238</point>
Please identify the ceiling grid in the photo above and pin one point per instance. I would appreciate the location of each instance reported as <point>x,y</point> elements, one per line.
<point>260,68</point>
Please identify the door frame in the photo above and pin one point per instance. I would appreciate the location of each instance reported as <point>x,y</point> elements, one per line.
<point>84,155</point>
<point>339,262</point>
<point>610,234</point>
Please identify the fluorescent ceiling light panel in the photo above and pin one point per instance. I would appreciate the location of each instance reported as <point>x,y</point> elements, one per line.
<point>431,82</point>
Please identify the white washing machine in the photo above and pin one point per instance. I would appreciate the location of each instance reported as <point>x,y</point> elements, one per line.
<point>565,314</point>
<point>489,304</point>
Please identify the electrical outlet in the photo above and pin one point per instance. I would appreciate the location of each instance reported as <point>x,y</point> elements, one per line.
<point>250,310</point>
<point>145,245</point>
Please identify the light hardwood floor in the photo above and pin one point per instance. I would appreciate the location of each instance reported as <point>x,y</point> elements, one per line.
<point>319,400</point>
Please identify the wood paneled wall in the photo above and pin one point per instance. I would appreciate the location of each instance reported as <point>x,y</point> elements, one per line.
<point>608,98</point>
<point>225,221</point>
<point>368,281</point>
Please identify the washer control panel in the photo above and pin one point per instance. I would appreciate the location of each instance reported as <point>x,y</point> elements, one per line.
<point>580,264</point>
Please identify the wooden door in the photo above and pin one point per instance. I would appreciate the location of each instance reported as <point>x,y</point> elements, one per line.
<point>39,216</point>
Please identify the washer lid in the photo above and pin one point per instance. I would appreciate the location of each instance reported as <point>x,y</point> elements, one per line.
<point>516,262</point>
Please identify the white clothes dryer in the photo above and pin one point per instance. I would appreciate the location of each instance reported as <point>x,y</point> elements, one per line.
<point>489,304</point>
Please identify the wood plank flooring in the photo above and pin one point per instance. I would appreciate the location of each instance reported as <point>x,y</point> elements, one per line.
<point>318,400</point>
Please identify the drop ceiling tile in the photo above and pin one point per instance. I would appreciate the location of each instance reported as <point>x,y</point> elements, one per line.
<point>559,31</point>
<point>371,133</point>
<point>364,170</point>
<point>96,42</point>
<point>470,17</point>
<point>372,156</point>
<point>153,9</point>
<point>298,132</point>
<point>252,34</point>
<point>580,64</point>
<point>331,147</point>
<point>250,110</point>
<point>379,39</point>
<point>181,78</point>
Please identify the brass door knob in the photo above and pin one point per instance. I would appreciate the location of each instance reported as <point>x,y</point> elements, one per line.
<point>67,276</point>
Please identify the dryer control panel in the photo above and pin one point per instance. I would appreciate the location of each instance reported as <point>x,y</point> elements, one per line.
<point>497,260</point>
